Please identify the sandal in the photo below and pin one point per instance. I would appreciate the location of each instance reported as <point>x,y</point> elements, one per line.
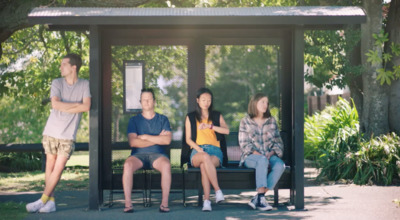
<point>128,209</point>
<point>164,208</point>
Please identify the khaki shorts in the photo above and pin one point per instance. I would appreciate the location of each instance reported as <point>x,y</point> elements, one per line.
<point>58,146</point>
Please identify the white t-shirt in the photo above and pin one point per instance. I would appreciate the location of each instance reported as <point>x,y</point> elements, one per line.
<point>63,125</point>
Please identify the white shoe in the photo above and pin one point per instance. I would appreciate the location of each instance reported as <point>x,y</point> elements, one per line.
<point>263,205</point>
<point>34,206</point>
<point>219,196</point>
<point>206,206</point>
<point>49,207</point>
<point>253,202</point>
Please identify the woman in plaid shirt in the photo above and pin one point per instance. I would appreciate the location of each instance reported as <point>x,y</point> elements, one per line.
<point>261,147</point>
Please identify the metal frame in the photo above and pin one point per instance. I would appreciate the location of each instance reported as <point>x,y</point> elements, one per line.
<point>195,27</point>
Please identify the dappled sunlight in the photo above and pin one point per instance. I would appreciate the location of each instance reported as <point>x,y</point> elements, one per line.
<point>76,179</point>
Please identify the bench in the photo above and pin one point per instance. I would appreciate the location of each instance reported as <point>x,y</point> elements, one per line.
<point>234,177</point>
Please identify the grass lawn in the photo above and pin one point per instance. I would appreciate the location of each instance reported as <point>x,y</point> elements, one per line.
<point>12,210</point>
<point>74,177</point>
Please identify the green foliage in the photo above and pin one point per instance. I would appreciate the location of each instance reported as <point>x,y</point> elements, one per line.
<point>30,62</point>
<point>12,210</point>
<point>328,53</point>
<point>165,71</point>
<point>322,129</point>
<point>235,73</point>
<point>385,75</point>
<point>331,138</point>
<point>17,161</point>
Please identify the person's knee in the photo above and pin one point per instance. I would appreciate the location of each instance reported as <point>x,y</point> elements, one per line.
<point>131,165</point>
<point>262,161</point>
<point>279,166</point>
<point>206,157</point>
<point>162,164</point>
<point>165,167</point>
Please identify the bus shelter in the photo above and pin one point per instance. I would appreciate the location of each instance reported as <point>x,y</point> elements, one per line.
<point>195,28</point>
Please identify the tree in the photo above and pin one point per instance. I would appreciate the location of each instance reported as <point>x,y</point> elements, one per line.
<point>393,29</point>
<point>14,13</point>
<point>377,104</point>
<point>339,64</point>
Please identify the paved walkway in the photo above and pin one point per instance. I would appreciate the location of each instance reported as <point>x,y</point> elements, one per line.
<point>338,201</point>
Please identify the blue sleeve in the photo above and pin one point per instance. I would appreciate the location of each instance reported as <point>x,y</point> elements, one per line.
<point>132,126</point>
<point>166,125</point>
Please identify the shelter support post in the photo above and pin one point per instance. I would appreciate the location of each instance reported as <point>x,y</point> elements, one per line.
<point>95,140</point>
<point>298,115</point>
<point>196,71</point>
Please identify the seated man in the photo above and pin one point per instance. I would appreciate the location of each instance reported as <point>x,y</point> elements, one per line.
<point>148,134</point>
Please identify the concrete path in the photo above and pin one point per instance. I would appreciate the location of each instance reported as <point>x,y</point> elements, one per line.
<point>338,201</point>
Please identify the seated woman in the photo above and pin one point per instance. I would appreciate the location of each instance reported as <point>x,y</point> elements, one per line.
<point>261,147</point>
<point>204,129</point>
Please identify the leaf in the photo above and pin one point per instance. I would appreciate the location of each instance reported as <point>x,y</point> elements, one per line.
<point>381,38</point>
<point>396,72</point>
<point>395,49</point>
<point>384,76</point>
<point>373,57</point>
<point>386,57</point>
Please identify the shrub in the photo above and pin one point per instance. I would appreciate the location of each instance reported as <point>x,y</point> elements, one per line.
<point>332,139</point>
<point>17,161</point>
<point>322,129</point>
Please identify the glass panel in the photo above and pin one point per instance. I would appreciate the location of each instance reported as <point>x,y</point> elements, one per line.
<point>166,72</point>
<point>235,73</point>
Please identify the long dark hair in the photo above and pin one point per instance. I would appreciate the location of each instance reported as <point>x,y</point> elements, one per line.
<point>200,92</point>
<point>252,108</point>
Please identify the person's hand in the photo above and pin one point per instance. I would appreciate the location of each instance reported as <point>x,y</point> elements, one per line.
<point>143,136</point>
<point>204,126</point>
<point>199,149</point>
<point>269,154</point>
<point>163,132</point>
<point>256,152</point>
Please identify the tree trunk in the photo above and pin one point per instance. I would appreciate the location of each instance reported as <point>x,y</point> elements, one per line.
<point>355,83</point>
<point>375,110</point>
<point>393,29</point>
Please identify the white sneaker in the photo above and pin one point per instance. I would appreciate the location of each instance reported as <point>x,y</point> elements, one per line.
<point>206,206</point>
<point>49,207</point>
<point>34,206</point>
<point>253,202</point>
<point>263,205</point>
<point>219,196</point>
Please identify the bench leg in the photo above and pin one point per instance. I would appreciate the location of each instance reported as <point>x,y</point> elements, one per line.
<point>291,196</point>
<point>145,189</point>
<point>111,196</point>
<point>276,196</point>
<point>200,190</point>
<point>183,188</point>
<point>149,204</point>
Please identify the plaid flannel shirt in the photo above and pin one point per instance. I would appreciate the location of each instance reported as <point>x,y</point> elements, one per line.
<point>264,139</point>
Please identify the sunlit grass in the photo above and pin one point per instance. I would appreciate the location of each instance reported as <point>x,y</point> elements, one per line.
<point>79,158</point>
<point>72,179</point>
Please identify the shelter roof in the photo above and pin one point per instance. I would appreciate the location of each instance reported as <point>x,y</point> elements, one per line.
<point>309,16</point>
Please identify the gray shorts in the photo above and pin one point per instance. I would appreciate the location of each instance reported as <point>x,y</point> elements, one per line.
<point>148,159</point>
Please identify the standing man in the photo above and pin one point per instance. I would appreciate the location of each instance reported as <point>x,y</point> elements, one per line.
<point>148,134</point>
<point>70,96</point>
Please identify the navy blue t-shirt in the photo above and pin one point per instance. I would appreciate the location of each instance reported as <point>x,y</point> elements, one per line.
<point>140,125</point>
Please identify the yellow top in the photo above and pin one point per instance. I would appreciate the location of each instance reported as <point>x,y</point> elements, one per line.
<point>206,136</point>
